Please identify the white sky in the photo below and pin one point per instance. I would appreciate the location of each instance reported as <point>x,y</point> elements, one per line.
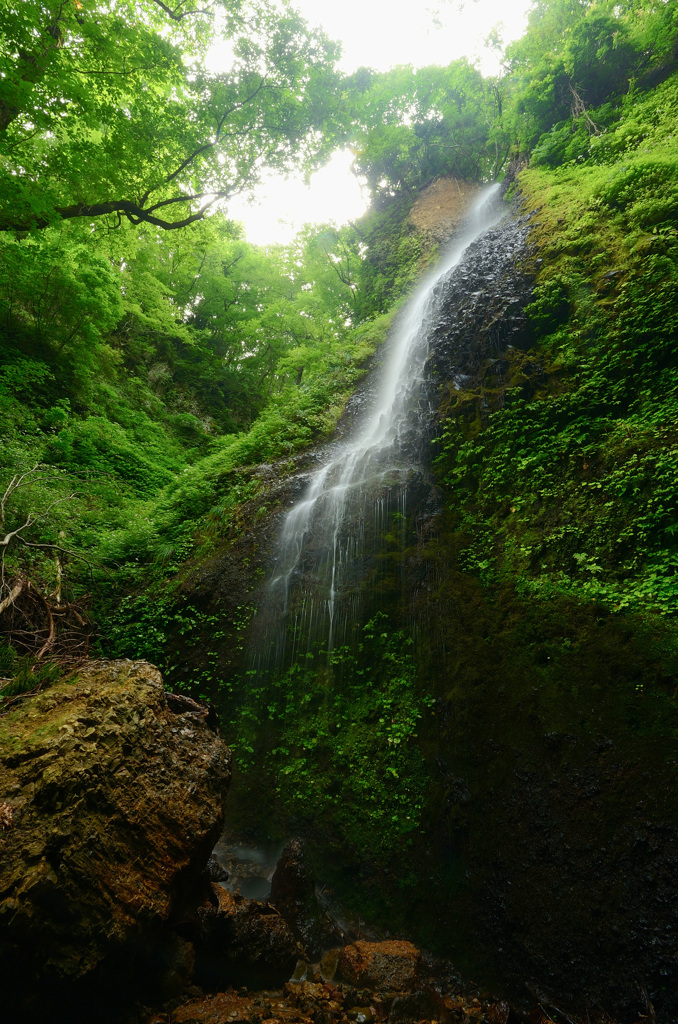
<point>378,34</point>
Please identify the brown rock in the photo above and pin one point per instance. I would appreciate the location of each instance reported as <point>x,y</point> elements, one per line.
<point>222,1008</point>
<point>293,893</point>
<point>244,942</point>
<point>329,964</point>
<point>384,966</point>
<point>116,804</point>
<point>440,209</point>
<point>424,1004</point>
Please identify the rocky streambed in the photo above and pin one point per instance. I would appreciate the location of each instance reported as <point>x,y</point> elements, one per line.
<point>361,983</point>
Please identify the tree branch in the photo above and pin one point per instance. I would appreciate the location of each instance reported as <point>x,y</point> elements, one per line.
<point>135,214</point>
<point>176,15</point>
<point>208,145</point>
<point>578,109</point>
<point>49,642</point>
<point>12,596</point>
<point>64,551</point>
<point>12,486</point>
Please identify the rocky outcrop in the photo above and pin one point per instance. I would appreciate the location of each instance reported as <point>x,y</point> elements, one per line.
<point>111,804</point>
<point>440,209</point>
<point>293,893</point>
<point>243,942</point>
<point>482,315</point>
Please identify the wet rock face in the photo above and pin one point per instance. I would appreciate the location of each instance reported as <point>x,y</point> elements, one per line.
<point>580,893</point>
<point>293,893</point>
<point>114,803</point>
<point>483,309</point>
<point>384,966</point>
<point>243,942</point>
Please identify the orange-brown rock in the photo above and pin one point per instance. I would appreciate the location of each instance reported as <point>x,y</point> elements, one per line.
<point>384,966</point>
<point>215,1009</point>
<point>441,207</point>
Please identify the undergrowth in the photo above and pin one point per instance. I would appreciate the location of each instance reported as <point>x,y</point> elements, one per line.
<point>334,741</point>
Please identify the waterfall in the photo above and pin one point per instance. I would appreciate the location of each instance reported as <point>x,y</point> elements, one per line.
<point>355,506</point>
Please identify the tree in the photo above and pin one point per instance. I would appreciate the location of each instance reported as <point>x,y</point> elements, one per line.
<point>413,125</point>
<point>578,54</point>
<point>108,108</point>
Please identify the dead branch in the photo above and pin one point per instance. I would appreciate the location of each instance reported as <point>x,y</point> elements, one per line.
<point>13,594</point>
<point>49,642</point>
<point>32,623</point>
<point>14,484</point>
<point>579,110</point>
<point>65,551</point>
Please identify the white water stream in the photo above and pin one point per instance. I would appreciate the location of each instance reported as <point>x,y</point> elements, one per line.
<point>363,485</point>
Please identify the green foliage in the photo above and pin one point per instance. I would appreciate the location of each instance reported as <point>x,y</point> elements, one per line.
<point>645,190</point>
<point>574,139</point>
<point>7,660</point>
<point>97,445</point>
<point>413,125</point>
<point>569,72</point>
<point>335,736</point>
<point>29,677</point>
<point>109,110</point>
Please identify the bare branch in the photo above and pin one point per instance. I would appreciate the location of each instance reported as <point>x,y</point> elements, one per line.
<point>9,537</point>
<point>578,110</point>
<point>49,642</point>
<point>64,551</point>
<point>12,486</point>
<point>33,518</point>
<point>12,596</point>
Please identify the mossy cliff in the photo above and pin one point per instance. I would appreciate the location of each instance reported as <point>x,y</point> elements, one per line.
<point>491,761</point>
<point>493,765</point>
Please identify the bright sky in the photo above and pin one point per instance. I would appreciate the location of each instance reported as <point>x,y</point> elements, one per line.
<point>378,34</point>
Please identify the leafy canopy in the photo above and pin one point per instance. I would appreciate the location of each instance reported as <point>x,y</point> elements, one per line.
<point>109,107</point>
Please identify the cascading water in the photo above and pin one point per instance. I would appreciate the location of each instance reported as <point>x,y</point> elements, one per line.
<point>356,504</point>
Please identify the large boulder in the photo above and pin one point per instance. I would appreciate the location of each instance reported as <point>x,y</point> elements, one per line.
<point>111,803</point>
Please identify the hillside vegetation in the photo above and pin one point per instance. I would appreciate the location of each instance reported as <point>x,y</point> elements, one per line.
<point>142,367</point>
<point>153,363</point>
